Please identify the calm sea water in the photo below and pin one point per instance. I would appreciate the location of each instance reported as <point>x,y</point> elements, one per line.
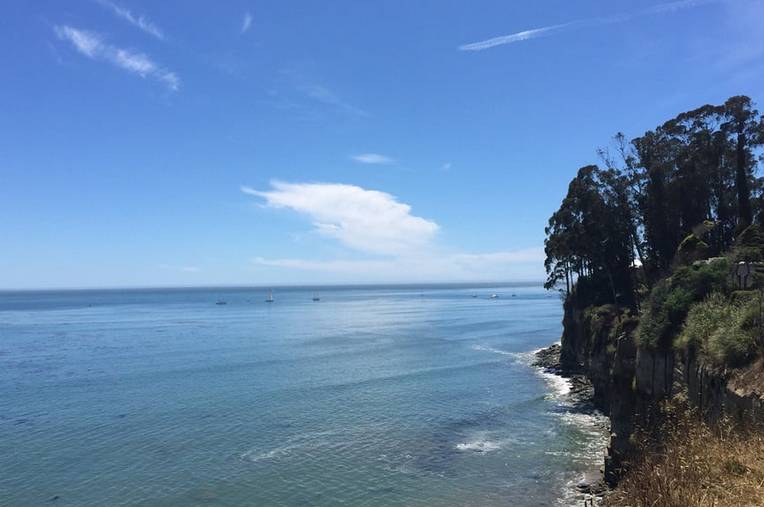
<point>373,396</point>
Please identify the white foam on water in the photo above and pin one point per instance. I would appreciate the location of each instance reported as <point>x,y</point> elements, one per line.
<point>485,348</point>
<point>303,441</point>
<point>482,442</point>
<point>559,387</point>
<point>479,446</point>
<point>591,424</point>
<point>255,456</point>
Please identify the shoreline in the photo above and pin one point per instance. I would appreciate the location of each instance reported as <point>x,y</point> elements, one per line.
<point>591,488</point>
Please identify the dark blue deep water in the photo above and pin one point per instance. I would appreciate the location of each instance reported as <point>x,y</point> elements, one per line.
<point>372,396</point>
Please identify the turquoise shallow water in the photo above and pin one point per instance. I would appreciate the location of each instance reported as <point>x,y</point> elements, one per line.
<point>372,396</point>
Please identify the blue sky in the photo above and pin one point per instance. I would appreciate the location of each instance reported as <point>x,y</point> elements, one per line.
<point>263,142</point>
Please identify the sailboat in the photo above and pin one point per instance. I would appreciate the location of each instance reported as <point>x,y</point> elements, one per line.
<point>269,299</point>
<point>315,297</point>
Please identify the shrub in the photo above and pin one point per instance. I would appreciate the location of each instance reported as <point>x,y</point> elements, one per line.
<point>731,346</point>
<point>702,321</point>
<point>744,296</point>
<point>749,245</point>
<point>691,249</point>
<point>671,298</point>
<point>723,331</point>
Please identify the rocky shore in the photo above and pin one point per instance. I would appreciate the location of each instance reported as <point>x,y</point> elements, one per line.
<point>592,487</point>
<point>581,389</point>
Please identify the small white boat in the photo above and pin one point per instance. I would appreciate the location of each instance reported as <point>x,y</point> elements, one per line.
<point>494,296</point>
<point>269,299</point>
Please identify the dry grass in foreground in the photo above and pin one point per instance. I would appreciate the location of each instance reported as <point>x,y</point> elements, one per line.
<point>695,466</point>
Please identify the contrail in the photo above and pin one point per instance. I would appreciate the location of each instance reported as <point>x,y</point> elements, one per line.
<point>549,30</point>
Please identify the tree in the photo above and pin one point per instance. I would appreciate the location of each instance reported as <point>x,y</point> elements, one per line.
<point>589,237</point>
<point>696,172</point>
<point>745,129</point>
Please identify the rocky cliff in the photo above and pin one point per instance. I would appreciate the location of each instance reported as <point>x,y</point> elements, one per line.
<point>630,381</point>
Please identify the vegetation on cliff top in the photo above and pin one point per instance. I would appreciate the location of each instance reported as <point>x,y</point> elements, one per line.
<point>724,330</point>
<point>655,230</point>
<point>670,300</point>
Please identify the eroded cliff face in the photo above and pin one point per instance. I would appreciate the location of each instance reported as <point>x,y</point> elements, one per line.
<point>630,382</point>
<point>599,342</point>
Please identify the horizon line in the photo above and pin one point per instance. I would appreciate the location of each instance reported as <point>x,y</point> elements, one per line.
<point>335,285</point>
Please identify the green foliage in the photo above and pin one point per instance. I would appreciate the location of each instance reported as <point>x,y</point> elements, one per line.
<point>671,298</point>
<point>636,234</point>
<point>691,249</point>
<point>743,296</point>
<point>601,317</point>
<point>749,245</point>
<point>732,346</point>
<point>679,193</point>
<point>702,321</point>
<point>591,238</point>
<point>724,331</point>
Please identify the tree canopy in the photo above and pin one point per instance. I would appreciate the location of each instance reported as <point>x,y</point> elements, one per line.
<point>622,225</point>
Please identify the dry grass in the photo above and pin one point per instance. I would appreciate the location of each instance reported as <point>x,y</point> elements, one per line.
<point>695,466</point>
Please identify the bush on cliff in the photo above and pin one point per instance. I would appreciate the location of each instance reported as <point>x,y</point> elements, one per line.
<point>722,330</point>
<point>749,245</point>
<point>691,249</point>
<point>672,297</point>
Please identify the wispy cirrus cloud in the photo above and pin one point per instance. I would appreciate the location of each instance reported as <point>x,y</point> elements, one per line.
<point>300,90</point>
<point>93,46</point>
<point>589,22</point>
<point>246,22</point>
<point>327,97</point>
<point>372,159</point>
<point>140,22</point>
<point>364,220</point>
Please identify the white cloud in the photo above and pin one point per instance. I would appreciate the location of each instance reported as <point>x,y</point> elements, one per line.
<point>618,18</point>
<point>364,220</point>
<point>390,244</point>
<point>246,22</point>
<point>526,264</point>
<point>87,43</point>
<point>93,46</point>
<point>139,22</point>
<point>372,158</point>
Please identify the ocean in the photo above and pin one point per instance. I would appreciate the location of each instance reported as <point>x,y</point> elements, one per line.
<point>372,396</point>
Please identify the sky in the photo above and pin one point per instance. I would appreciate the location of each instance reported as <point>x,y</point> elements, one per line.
<point>254,142</point>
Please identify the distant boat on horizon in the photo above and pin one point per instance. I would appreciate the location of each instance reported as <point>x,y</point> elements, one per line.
<point>315,297</point>
<point>221,303</point>
<point>494,296</point>
<point>269,299</point>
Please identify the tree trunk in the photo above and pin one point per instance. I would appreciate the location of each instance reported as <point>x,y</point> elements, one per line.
<point>745,216</point>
